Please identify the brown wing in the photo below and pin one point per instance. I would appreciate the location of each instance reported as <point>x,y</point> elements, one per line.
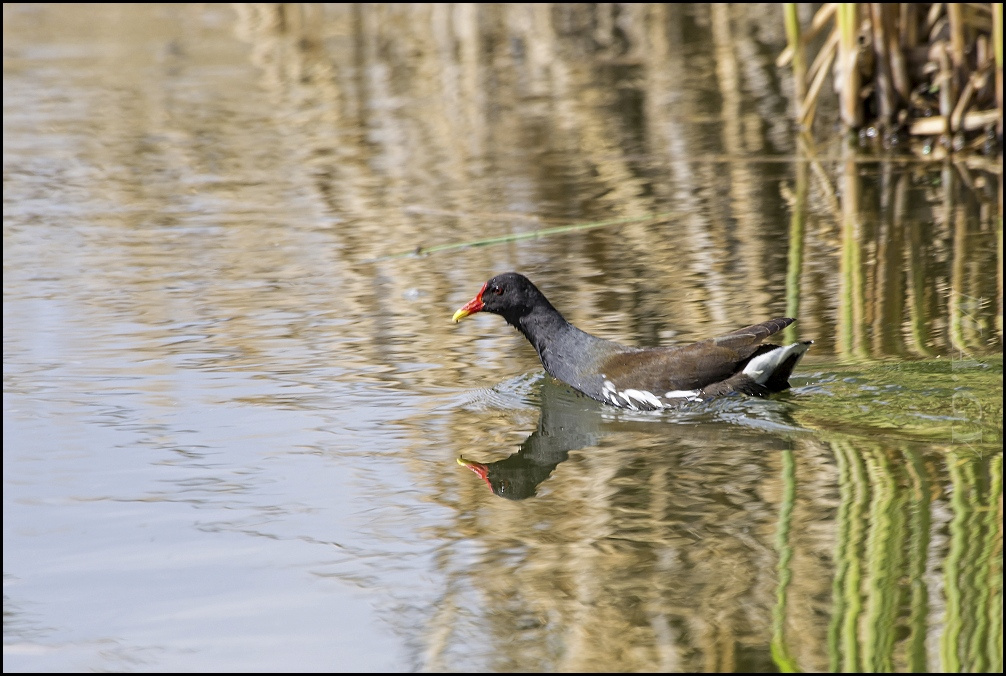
<point>751,335</point>
<point>690,367</point>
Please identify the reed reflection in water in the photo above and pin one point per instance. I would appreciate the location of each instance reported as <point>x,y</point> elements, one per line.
<point>234,398</point>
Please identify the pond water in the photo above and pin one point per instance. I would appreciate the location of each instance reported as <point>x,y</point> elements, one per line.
<point>235,402</point>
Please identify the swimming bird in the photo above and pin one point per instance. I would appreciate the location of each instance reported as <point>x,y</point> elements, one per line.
<point>640,378</point>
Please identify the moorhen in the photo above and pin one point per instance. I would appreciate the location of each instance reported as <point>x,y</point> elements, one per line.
<point>633,377</point>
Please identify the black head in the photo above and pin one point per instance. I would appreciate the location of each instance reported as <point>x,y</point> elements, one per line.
<point>511,295</point>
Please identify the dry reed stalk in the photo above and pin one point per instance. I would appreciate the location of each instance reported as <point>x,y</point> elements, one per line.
<point>847,66</point>
<point>796,50</point>
<point>882,27</point>
<point>956,19</point>
<point>818,72</point>
<point>905,69</point>
<point>997,46</point>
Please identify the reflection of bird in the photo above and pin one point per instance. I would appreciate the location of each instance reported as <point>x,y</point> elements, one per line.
<point>567,422</point>
<point>516,477</point>
<point>639,378</point>
<point>570,421</point>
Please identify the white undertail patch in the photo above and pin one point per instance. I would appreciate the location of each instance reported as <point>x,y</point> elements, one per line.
<point>761,368</point>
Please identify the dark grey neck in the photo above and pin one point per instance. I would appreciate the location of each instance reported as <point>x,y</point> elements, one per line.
<point>542,326</point>
<point>566,352</point>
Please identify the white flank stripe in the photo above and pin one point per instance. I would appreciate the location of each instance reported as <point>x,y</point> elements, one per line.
<point>643,396</point>
<point>636,399</point>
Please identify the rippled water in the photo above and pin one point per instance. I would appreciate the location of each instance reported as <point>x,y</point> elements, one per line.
<point>234,401</point>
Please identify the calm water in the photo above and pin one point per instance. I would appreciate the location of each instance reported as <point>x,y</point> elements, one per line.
<point>234,400</point>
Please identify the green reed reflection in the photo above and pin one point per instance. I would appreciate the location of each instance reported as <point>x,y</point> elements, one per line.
<point>781,654</point>
<point>993,554</point>
<point>973,568</point>
<point>919,537</point>
<point>843,643</point>
<point>885,561</point>
<point>887,588</point>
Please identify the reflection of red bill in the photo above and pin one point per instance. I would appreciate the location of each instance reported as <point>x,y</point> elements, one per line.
<point>477,467</point>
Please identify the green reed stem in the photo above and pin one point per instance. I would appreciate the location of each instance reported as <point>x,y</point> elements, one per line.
<point>532,234</point>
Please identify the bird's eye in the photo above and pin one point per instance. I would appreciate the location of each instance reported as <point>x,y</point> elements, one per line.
<point>498,290</point>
